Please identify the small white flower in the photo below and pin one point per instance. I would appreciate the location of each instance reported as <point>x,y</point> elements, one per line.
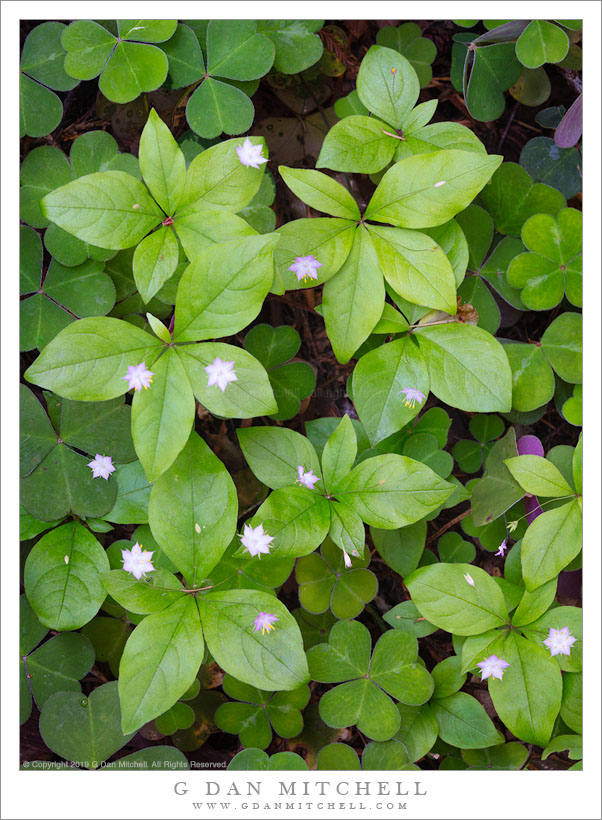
<point>101,466</point>
<point>439,184</point>
<point>468,579</point>
<point>502,548</point>
<point>220,373</point>
<point>306,479</point>
<point>346,559</point>
<point>138,377</point>
<point>412,395</point>
<point>137,561</point>
<point>559,641</point>
<point>66,559</point>
<point>255,540</point>
<point>250,155</point>
<point>493,667</point>
<point>305,267</point>
<point>197,527</point>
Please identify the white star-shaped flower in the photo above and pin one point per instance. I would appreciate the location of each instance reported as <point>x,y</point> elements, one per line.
<point>138,377</point>
<point>468,579</point>
<point>412,395</point>
<point>101,466</point>
<point>306,267</point>
<point>264,621</point>
<point>493,667</point>
<point>220,373</point>
<point>306,479</point>
<point>559,641</point>
<point>255,540</point>
<point>250,155</point>
<point>137,561</point>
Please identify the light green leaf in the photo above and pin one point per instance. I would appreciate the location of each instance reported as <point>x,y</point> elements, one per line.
<point>410,194</point>
<point>328,240</point>
<point>132,69</point>
<point>216,178</point>
<point>536,603</point>
<point>198,231</point>
<point>275,453</point>
<point>551,542</point>
<point>538,476</point>
<point>147,31</point>
<point>193,509</point>
<point>468,368</point>
<point>297,518</point>
<point>395,668</point>
<point>562,346</point>
<point>110,209</point>
<point>526,707</point>
<point>88,359</point>
<point>250,395</point>
<point>415,267</point>
<point>160,662</point>
<point>541,42</point>
<point>378,379</point>
<point>439,135</point>
<point>391,491</point>
<point>463,722</point>
<point>162,163</point>
<point>162,417</point>
<point>320,192</point>
<point>387,84</point>
<point>273,661</point>
<point>357,144</point>
<point>533,380</point>
<point>353,300</point>
<point>66,594</point>
<point>223,289</point>
<point>339,453</point>
<point>444,596</point>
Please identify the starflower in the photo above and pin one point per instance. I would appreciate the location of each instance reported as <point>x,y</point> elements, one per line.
<point>138,377</point>
<point>264,621</point>
<point>220,373</point>
<point>468,579</point>
<point>346,559</point>
<point>101,466</point>
<point>559,641</point>
<point>250,155</point>
<point>412,395</point>
<point>137,561</point>
<point>492,667</point>
<point>306,479</point>
<point>256,540</point>
<point>306,267</point>
<point>502,548</point>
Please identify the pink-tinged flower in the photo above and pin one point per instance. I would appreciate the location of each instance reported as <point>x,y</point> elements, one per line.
<point>492,667</point>
<point>138,377</point>
<point>306,267</point>
<point>502,548</point>
<point>559,641</point>
<point>137,561</point>
<point>346,559</point>
<point>412,395</point>
<point>250,155</point>
<point>256,540</point>
<point>468,579</point>
<point>264,621</point>
<point>306,479</point>
<point>101,466</point>
<point>220,373</point>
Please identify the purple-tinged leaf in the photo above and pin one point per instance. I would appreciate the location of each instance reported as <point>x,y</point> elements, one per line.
<point>569,130</point>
